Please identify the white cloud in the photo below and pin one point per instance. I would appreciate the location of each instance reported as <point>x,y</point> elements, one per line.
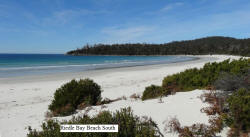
<point>128,34</point>
<point>224,24</point>
<point>171,6</point>
<point>166,8</point>
<point>67,15</point>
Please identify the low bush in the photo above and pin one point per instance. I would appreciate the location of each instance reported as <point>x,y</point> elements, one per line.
<point>238,116</point>
<point>224,111</point>
<point>152,91</point>
<point>228,82</point>
<point>73,95</point>
<point>129,126</point>
<point>195,78</point>
<point>203,78</point>
<point>214,111</point>
<point>195,130</point>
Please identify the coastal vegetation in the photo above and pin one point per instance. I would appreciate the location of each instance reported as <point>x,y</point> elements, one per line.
<point>75,94</point>
<point>231,111</point>
<point>211,75</point>
<point>152,91</point>
<point>229,107</point>
<point>130,125</point>
<point>202,46</point>
<point>238,115</point>
<point>229,83</point>
<point>215,122</point>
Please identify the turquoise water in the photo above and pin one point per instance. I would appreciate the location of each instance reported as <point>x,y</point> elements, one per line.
<point>12,65</point>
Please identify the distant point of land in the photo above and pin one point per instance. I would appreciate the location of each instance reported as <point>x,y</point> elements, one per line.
<point>201,46</point>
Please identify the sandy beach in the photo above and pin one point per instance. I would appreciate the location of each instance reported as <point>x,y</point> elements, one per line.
<point>24,100</point>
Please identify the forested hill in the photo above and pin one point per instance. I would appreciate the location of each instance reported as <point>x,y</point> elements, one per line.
<point>208,45</point>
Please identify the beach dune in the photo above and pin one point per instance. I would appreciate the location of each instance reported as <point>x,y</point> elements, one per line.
<point>24,100</point>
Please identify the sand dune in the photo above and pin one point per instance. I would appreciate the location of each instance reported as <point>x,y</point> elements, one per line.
<point>24,100</point>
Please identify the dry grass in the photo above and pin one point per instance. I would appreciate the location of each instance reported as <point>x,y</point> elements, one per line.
<point>198,130</point>
<point>134,96</point>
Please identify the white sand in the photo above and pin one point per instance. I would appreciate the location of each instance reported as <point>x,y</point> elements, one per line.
<point>24,100</point>
<point>185,106</point>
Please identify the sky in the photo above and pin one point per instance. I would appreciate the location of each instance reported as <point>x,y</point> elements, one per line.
<point>57,26</point>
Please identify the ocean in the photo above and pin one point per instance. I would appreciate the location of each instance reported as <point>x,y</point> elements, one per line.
<point>12,65</point>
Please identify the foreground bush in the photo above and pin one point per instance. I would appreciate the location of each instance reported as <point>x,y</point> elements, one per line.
<point>152,92</point>
<point>73,95</point>
<point>224,111</point>
<point>214,111</point>
<point>238,117</point>
<point>129,126</point>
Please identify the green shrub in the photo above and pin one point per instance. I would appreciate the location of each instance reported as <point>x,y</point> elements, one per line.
<point>152,91</point>
<point>129,126</point>
<point>191,79</point>
<point>238,117</point>
<point>195,78</point>
<point>74,94</point>
<point>230,82</point>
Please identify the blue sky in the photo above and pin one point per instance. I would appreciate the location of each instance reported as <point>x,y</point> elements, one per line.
<point>56,26</point>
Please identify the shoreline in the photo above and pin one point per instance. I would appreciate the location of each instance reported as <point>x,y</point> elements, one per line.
<point>47,70</point>
<point>66,75</point>
<point>24,100</point>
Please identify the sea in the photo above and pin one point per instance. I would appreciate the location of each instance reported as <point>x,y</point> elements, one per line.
<point>13,65</point>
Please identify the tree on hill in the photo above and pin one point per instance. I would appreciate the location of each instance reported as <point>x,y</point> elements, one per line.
<point>208,45</point>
